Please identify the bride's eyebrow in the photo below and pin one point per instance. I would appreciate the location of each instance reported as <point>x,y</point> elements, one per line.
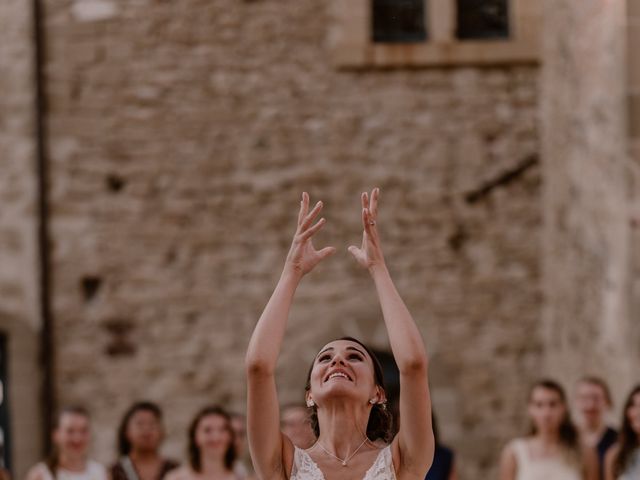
<point>325,350</point>
<point>357,350</point>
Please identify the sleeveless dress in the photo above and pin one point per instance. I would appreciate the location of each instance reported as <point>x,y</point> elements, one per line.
<point>94,471</point>
<point>552,468</point>
<point>633,471</point>
<point>304,468</point>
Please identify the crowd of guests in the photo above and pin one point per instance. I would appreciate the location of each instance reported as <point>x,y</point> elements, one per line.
<point>216,446</point>
<point>212,453</point>
<point>556,448</point>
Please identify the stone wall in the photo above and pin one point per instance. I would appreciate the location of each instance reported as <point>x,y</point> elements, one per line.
<point>19,301</point>
<point>633,75</point>
<point>633,78</point>
<point>587,241</point>
<point>182,134</point>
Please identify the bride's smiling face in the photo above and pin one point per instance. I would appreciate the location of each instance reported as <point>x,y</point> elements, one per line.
<point>343,368</point>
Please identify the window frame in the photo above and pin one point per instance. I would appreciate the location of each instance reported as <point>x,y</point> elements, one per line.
<point>352,46</point>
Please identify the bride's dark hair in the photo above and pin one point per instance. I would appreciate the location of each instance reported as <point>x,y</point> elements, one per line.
<point>380,420</point>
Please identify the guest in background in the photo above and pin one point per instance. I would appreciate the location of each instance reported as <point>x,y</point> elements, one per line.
<point>139,438</point>
<point>211,448</point>
<point>69,459</point>
<point>593,402</point>
<point>243,460</point>
<point>623,459</point>
<point>443,467</point>
<point>295,423</point>
<point>552,451</point>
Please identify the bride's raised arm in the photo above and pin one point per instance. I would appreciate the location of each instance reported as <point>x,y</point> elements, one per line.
<point>269,448</point>
<point>414,445</point>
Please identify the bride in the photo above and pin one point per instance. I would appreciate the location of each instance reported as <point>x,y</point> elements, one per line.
<point>345,390</point>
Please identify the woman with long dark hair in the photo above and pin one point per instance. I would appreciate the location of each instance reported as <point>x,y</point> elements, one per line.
<point>345,389</point>
<point>139,438</point>
<point>211,450</point>
<point>552,450</point>
<point>69,459</point>
<point>623,459</point>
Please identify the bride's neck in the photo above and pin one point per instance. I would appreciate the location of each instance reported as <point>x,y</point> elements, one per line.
<point>342,428</point>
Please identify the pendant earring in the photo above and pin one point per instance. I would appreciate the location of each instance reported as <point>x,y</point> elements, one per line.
<point>310,403</point>
<point>372,401</point>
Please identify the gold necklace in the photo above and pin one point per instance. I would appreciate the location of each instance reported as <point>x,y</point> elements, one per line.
<point>345,460</point>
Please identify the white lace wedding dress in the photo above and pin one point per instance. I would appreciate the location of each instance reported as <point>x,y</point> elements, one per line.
<point>304,468</point>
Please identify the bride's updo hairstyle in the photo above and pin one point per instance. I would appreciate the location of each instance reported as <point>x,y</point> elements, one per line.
<point>380,420</point>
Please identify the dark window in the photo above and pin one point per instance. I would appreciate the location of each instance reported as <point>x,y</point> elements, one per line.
<point>5,444</point>
<point>483,19</point>
<point>399,21</point>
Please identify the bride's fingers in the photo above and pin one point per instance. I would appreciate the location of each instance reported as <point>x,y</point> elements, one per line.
<point>373,203</point>
<point>370,232</point>
<point>301,213</point>
<point>368,221</point>
<point>326,252</point>
<point>364,198</point>
<point>311,216</point>
<point>304,207</point>
<point>355,251</point>
<point>311,231</point>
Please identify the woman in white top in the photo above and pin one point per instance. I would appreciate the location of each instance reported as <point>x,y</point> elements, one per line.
<point>343,389</point>
<point>552,451</point>
<point>71,439</point>
<point>623,459</point>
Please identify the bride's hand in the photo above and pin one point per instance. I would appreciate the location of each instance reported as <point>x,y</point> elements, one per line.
<point>369,255</point>
<point>303,256</point>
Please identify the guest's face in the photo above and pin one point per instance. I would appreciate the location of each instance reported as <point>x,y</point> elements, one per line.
<point>591,401</point>
<point>144,431</point>
<point>213,435</point>
<point>73,434</point>
<point>297,426</point>
<point>546,409</point>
